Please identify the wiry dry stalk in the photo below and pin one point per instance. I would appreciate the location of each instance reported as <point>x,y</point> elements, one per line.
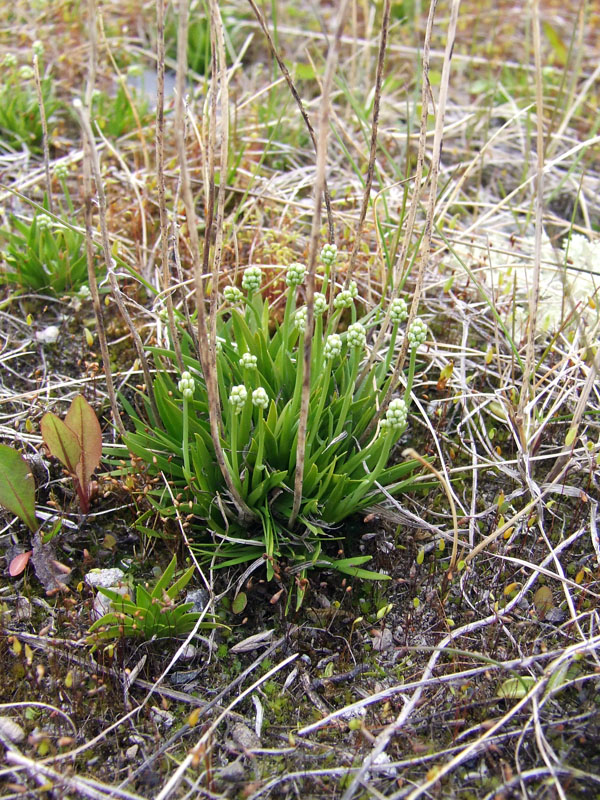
<point>400,270</point>
<point>288,78</point>
<point>92,152</point>
<point>534,293</point>
<point>207,360</point>
<point>89,233</point>
<point>383,36</point>
<point>44,121</point>
<point>312,256</point>
<point>218,49</point>
<point>160,175</point>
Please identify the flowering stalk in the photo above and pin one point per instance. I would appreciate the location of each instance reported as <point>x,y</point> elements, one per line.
<point>355,340</point>
<point>260,400</point>
<point>417,333</point>
<point>398,313</point>
<point>294,277</point>
<point>186,387</point>
<point>390,428</point>
<point>331,351</point>
<point>237,402</point>
<point>251,281</point>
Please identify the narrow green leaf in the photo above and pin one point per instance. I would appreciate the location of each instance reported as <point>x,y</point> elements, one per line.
<point>180,584</point>
<point>17,487</point>
<point>165,578</point>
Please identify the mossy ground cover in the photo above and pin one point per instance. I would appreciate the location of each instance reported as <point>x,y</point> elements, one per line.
<point>476,679</point>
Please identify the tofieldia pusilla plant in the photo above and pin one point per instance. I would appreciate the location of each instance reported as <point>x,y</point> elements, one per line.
<point>259,369</point>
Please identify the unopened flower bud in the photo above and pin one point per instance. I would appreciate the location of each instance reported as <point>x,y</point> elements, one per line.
<point>232,295</point>
<point>237,397</point>
<point>333,346</point>
<point>398,310</point>
<point>356,336</point>
<point>260,398</point>
<point>252,279</point>
<point>328,254</point>
<point>417,333</point>
<point>295,274</point>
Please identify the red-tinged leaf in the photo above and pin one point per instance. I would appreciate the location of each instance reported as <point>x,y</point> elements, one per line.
<point>81,419</point>
<point>61,441</point>
<point>18,563</point>
<point>17,487</point>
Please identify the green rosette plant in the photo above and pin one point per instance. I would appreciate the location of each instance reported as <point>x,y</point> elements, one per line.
<point>259,371</point>
<point>150,613</point>
<point>20,119</point>
<point>42,254</point>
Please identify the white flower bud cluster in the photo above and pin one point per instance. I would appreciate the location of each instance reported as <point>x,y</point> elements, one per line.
<point>186,385</point>
<point>9,60</point>
<point>260,398</point>
<point>333,346</point>
<point>328,254</point>
<point>237,397</point>
<point>345,298</point>
<point>233,295</point>
<point>357,335</point>
<point>248,361</point>
<point>295,274</point>
<point>252,279</point>
<point>320,303</point>
<point>417,333</point>
<point>398,310</point>
<point>44,222</point>
<point>300,319</point>
<point>61,171</point>
<point>38,48</point>
<point>26,72</point>
<point>396,415</point>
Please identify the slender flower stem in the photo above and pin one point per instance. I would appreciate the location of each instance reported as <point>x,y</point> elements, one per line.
<point>349,396</point>
<point>233,434</point>
<point>411,374</point>
<point>185,442</point>
<point>257,472</point>
<point>361,491</point>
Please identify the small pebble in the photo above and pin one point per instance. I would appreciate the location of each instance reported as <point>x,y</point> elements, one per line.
<point>49,335</point>
<point>161,717</point>
<point>106,578</point>
<point>244,737</point>
<point>11,730</point>
<point>131,752</point>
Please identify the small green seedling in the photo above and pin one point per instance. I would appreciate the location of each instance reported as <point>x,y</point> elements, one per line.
<point>152,613</point>
<point>43,254</point>
<point>77,443</point>
<point>20,118</point>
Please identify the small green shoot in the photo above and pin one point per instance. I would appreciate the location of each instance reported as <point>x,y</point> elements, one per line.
<point>43,255</point>
<point>77,443</point>
<point>149,614</point>
<point>20,119</point>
